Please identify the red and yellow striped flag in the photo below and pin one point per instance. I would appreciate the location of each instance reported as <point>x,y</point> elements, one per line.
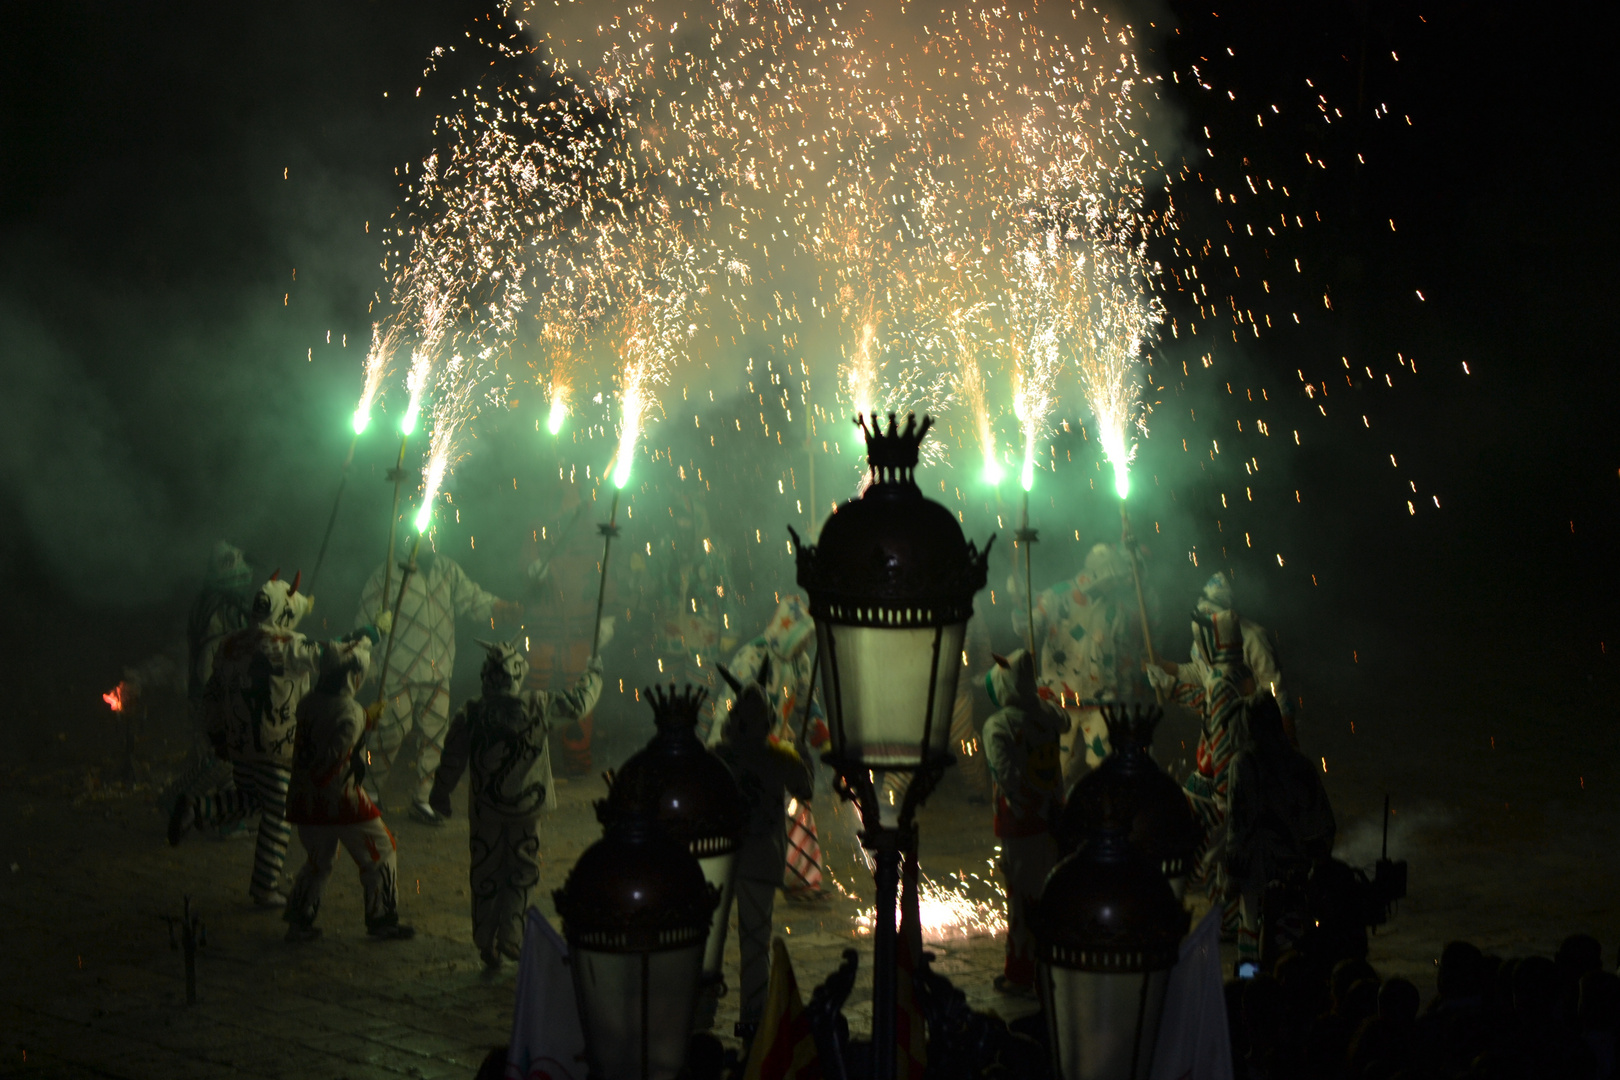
<point>784,1047</point>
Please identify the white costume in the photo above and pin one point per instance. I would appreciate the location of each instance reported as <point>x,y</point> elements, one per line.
<point>329,806</point>
<point>424,653</point>
<point>502,736</point>
<point>260,675</point>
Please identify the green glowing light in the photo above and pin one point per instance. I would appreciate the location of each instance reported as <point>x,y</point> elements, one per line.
<point>559,413</point>
<point>424,517</point>
<point>1122,480</point>
<point>408,425</point>
<point>1027,477</point>
<point>362,420</point>
<point>993,472</point>
<point>621,472</point>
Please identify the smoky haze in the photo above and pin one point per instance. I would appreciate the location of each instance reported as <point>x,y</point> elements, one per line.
<point>169,381</point>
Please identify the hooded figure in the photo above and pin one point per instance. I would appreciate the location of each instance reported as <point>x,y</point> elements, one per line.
<point>502,736</point>
<point>769,772</point>
<point>330,807</point>
<point>1279,818</point>
<point>261,674</point>
<point>418,692</point>
<point>1022,750</point>
<point>779,661</point>
<point>1259,652</point>
<point>1087,634</point>
<point>1213,685</point>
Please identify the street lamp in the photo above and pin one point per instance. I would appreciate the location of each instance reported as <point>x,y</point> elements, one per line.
<point>636,913</point>
<point>1107,931</point>
<point>1160,824</point>
<point>891,585</point>
<point>695,800</point>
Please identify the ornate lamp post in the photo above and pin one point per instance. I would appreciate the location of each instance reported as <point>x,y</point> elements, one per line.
<point>695,800</point>
<point>1158,821</point>
<point>636,913</point>
<point>1108,929</point>
<point>891,586</point>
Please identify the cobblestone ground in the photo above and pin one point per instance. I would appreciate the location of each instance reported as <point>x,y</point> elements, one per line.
<point>89,985</point>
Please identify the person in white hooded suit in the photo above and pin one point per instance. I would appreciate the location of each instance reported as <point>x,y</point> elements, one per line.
<point>502,737</point>
<point>261,674</point>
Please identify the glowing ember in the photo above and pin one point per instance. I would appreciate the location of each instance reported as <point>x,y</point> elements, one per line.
<point>115,698</point>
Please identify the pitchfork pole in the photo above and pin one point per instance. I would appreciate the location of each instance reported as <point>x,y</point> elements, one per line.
<point>608,531</point>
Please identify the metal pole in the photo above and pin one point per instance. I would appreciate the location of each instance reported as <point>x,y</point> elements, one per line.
<point>884,957</point>
<point>405,573</point>
<point>337,500</point>
<point>1027,537</point>
<point>608,531</point>
<point>1136,573</point>
<point>397,475</point>
<point>1141,600</point>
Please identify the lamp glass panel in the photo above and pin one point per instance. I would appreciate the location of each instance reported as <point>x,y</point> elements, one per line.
<point>879,691</point>
<point>622,1045</point>
<point>717,871</point>
<point>1097,1021</point>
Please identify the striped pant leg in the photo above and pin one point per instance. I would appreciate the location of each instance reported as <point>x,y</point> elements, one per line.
<point>264,785</point>
<point>803,852</point>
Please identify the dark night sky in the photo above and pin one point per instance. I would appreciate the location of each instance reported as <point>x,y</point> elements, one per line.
<point>149,240</point>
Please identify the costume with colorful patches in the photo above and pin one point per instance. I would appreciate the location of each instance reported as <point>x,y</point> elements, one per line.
<point>769,773</point>
<point>781,658</point>
<point>261,674</point>
<point>330,807</point>
<point>502,736</point>
<point>1089,640</point>
<point>424,657</point>
<point>1021,747</point>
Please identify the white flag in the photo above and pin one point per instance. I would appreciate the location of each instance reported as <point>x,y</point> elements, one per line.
<point>547,1040</point>
<point>1194,1043</point>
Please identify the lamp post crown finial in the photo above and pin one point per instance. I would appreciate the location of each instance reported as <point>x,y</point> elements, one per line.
<point>892,454</point>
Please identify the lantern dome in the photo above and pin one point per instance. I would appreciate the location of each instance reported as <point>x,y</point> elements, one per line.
<point>1159,823</point>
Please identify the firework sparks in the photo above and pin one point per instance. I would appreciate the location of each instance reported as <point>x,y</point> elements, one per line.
<point>116,697</point>
<point>949,913</point>
<point>378,357</point>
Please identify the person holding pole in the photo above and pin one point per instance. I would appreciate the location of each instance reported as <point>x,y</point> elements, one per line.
<point>1089,642</point>
<point>780,659</point>
<point>416,693</point>
<point>502,736</point>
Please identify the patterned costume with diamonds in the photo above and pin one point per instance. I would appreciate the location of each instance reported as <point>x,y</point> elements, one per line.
<point>327,802</point>
<point>418,690</point>
<point>261,674</point>
<point>502,737</point>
